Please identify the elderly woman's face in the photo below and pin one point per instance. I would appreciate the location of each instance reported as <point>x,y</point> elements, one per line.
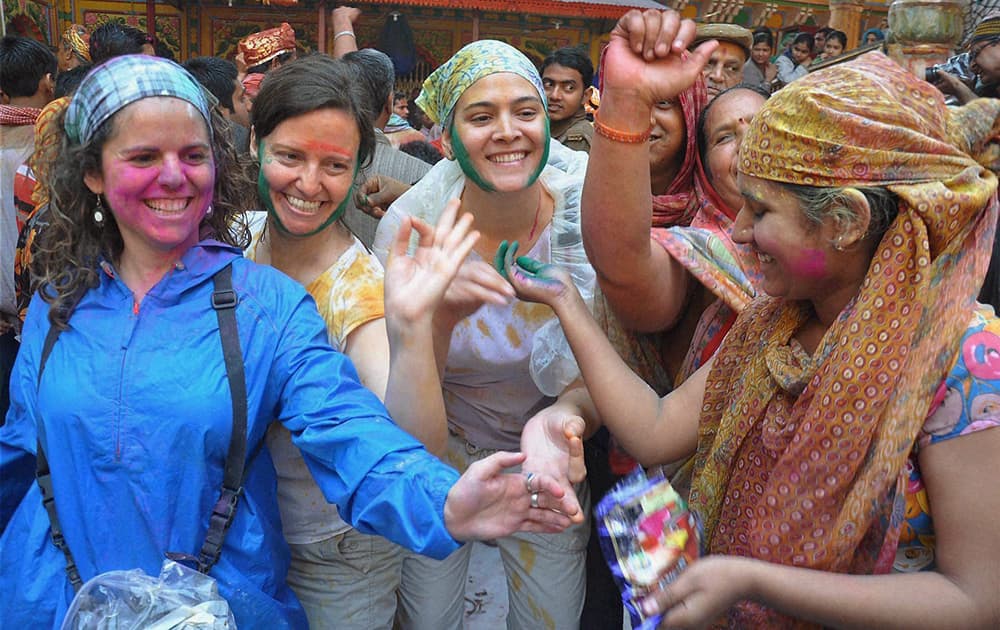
<point>795,257</point>
<point>725,125</point>
<point>500,120</point>
<point>157,175</point>
<point>310,173</point>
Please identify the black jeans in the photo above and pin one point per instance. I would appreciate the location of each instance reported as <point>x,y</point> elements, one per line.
<point>602,608</point>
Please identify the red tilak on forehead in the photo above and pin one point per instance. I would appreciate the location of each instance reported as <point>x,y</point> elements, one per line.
<point>326,147</point>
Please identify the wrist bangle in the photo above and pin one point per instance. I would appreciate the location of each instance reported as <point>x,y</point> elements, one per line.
<point>621,136</point>
<point>351,33</point>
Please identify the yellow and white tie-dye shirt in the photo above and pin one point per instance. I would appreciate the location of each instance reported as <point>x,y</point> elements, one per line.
<point>348,295</point>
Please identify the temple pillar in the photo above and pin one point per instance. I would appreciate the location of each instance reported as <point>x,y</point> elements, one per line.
<point>924,32</point>
<point>845,15</point>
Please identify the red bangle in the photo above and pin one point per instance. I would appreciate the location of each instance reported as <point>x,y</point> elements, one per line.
<point>621,136</point>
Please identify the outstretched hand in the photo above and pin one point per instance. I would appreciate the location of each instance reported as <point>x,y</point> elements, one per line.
<point>648,54</point>
<point>415,284</point>
<point>534,281</point>
<point>552,442</point>
<point>488,503</point>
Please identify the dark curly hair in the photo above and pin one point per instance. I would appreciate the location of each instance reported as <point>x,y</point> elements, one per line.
<point>70,248</point>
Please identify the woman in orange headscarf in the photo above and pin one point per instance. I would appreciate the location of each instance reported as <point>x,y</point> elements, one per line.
<point>842,431</point>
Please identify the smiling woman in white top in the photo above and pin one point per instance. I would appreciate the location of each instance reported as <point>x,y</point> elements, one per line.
<point>497,367</point>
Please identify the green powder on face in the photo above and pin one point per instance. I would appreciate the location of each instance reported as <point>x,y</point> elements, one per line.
<point>465,162</point>
<point>264,192</point>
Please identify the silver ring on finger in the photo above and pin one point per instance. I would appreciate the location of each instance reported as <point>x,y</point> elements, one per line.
<point>534,499</point>
<point>527,481</point>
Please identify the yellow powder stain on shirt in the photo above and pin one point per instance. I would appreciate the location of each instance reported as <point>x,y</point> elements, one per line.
<point>513,337</point>
<point>532,314</point>
<point>515,581</point>
<point>484,330</point>
<point>528,555</point>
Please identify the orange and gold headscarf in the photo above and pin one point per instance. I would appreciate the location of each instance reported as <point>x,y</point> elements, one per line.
<point>838,427</point>
<point>48,134</point>
<point>77,38</point>
<point>266,45</point>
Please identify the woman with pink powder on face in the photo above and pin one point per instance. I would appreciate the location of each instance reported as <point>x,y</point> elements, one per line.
<point>133,408</point>
<point>309,138</point>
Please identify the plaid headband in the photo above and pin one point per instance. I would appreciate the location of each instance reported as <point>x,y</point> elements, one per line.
<point>124,80</point>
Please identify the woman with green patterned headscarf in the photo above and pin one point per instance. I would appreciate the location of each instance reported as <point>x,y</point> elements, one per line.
<point>501,366</point>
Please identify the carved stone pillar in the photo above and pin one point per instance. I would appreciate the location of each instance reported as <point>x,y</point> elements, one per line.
<point>924,32</point>
<point>845,15</point>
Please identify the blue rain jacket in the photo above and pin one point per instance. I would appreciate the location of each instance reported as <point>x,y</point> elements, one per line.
<point>137,416</point>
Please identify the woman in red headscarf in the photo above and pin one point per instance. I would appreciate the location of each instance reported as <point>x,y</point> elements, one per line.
<point>662,323</point>
<point>691,224</point>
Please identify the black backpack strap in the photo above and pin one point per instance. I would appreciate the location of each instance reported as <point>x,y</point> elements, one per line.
<point>44,478</point>
<point>224,301</point>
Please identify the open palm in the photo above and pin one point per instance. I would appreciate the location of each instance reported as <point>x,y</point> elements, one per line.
<point>415,284</point>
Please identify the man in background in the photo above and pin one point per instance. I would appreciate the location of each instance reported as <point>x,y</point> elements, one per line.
<point>390,166</point>
<point>74,48</point>
<point>27,80</point>
<point>567,74</point>
<point>725,67</point>
<point>218,76</point>
<point>975,72</point>
<point>268,49</point>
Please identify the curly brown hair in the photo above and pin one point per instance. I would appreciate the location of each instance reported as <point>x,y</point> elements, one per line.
<point>70,247</point>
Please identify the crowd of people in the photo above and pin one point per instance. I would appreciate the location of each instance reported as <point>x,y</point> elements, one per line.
<point>410,321</point>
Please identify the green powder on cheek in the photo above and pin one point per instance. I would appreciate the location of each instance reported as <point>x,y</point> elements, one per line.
<point>264,192</point>
<point>465,162</point>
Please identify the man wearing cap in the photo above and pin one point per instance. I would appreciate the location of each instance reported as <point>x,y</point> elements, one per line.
<point>268,49</point>
<point>725,67</point>
<point>976,72</point>
<point>984,53</point>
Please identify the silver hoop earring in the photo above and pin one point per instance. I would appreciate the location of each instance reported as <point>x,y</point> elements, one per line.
<point>99,213</point>
<point>208,212</point>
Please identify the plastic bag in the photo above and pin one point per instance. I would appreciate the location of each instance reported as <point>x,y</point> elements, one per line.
<point>179,599</point>
<point>648,537</point>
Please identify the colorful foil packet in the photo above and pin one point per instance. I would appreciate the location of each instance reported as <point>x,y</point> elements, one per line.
<point>648,537</point>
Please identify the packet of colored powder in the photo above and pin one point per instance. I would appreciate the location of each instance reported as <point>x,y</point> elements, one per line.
<point>648,537</point>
